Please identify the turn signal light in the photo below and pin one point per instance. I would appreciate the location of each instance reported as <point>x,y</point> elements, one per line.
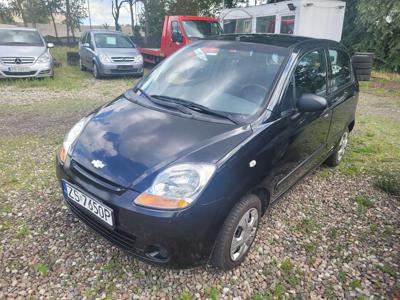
<point>160,202</point>
<point>63,153</point>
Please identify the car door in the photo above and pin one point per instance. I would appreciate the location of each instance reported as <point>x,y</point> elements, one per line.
<point>172,45</point>
<point>302,140</point>
<point>342,93</point>
<point>90,51</point>
<point>82,50</point>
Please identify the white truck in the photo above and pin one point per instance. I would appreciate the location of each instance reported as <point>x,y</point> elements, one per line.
<point>312,18</point>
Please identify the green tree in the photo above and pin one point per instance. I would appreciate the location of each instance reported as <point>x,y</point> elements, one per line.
<point>381,21</point>
<point>6,14</point>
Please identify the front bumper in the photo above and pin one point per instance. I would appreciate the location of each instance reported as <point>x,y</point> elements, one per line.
<point>174,238</point>
<point>120,69</point>
<point>30,71</point>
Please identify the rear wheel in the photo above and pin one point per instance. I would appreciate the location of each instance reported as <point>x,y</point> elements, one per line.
<point>338,153</point>
<point>237,234</point>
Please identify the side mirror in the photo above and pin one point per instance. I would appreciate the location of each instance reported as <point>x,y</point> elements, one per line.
<point>50,45</point>
<point>85,45</point>
<point>311,103</point>
<point>177,37</point>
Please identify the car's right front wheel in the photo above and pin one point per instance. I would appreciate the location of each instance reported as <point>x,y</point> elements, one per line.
<point>237,234</point>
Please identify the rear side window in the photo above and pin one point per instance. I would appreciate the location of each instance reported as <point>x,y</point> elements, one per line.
<point>310,74</point>
<point>341,68</point>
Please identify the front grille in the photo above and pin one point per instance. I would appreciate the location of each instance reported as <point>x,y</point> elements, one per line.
<point>115,236</point>
<point>19,73</point>
<point>123,58</point>
<point>88,175</point>
<point>17,60</point>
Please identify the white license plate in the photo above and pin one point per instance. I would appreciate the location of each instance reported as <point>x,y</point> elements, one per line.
<point>97,208</point>
<point>19,69</point>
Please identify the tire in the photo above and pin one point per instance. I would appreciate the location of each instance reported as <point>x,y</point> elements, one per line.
<point>337,155</point>
<point>81,66</point>
<point>96,72</point>
<point>224,256</point>
<point>363,71</point>
<point>367,65</point>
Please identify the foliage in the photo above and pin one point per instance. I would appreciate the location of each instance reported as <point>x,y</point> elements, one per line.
<point>374,26</point>
<point>6,14</point>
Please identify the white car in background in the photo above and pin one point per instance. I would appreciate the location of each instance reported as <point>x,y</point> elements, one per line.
<point>24,54</point>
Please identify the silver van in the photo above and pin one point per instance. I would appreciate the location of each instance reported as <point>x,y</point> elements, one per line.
<point>109,53</point>
<point>24,53</point>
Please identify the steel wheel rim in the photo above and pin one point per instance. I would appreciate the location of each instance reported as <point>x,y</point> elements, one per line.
<point>342,145</point>
<point>244,234</point>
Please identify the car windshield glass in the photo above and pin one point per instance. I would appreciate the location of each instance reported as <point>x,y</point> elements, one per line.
<point>106,40</point>
<point>201,29</point>
<point>225,76</point>
<point>20,37</point>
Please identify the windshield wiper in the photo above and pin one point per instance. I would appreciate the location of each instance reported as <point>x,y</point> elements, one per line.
<point>197,107</point>
<point>164,103</point>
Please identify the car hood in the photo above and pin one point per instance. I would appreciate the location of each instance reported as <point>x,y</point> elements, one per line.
<point>134,142</point>
<point>21,51</point>
<point>118,51</point>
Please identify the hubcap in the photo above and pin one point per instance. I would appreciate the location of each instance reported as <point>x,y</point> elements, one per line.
<point>244,234</point>
<point>342,145</point>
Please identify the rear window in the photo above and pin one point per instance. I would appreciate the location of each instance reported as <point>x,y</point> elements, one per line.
<point>14,37</point>
<point>341,68</point>
<point>106,40</point>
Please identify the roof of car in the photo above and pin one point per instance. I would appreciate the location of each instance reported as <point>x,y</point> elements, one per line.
<point>104,30</point>
<point>279,40</point>
<point>18,28</point>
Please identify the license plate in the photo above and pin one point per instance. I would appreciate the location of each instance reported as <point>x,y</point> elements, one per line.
<point>98,209</point>
<point>125,67</point>
<point>19,69</point>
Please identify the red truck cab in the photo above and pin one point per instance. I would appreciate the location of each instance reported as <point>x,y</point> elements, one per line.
<point>179,31</point>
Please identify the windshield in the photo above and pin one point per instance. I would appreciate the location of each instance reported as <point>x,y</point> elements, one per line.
<point>20,37</point>
<point>226,76</point>
<point>201,29</point>
<point>107,40</point>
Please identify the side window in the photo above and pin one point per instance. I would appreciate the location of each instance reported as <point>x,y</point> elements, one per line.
<point>341,68</point>
<point>89,40</point>
<point>310,74</point>
<point>175,26</point>
<point>309,77</point>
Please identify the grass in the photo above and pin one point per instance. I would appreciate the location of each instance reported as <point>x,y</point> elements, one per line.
<point>355,284</point>
<point>363,202</point>
<point>389,182</point>
<point>388,270</point>
<point>374,147</point>
<point>42,269</point>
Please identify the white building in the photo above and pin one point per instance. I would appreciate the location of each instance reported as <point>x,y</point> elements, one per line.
<point>313,18</point>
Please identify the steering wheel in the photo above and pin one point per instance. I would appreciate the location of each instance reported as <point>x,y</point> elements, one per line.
<point>253,92</point>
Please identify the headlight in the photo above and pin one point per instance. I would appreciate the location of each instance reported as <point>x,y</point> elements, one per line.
<point>70,138</point>
<point>177,186</point>
<point>104,58</point>
<point>138,59</point>
<point>44,58</point>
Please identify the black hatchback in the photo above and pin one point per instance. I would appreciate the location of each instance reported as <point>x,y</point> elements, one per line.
<point>180,169</point>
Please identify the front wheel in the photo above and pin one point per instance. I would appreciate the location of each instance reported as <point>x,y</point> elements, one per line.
<point>237,234</point>
<point>338,153</point>
<point>96,72</point>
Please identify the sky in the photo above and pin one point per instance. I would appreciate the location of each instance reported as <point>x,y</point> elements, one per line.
<point>100,12</point>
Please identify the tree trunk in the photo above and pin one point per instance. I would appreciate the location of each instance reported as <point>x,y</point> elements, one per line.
<point>21,11</point>
<point>67,19</point>
<point>131,2</point>
<point>146,21</point>
<point>54,25</point>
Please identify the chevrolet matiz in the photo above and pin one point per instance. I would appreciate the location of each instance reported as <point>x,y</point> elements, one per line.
<point>180,169</point>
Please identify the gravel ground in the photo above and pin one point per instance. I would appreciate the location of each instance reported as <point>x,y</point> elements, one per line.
<point>333,236</point>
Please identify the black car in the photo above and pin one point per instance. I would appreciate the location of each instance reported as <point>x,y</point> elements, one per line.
<point>180,168</point>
